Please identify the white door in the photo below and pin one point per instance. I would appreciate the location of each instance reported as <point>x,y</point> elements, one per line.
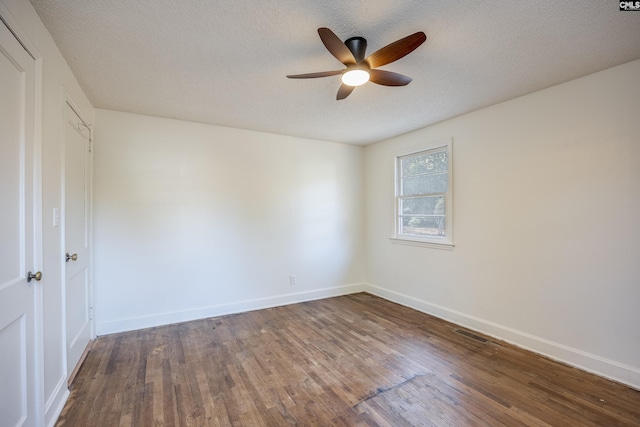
<point>76,226</point>
<point>20,242</point>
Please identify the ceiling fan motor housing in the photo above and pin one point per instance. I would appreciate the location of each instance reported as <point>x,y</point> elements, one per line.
<point>358,47</point>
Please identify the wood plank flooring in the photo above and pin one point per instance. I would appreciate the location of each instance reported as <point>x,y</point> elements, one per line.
<point>351,360</point>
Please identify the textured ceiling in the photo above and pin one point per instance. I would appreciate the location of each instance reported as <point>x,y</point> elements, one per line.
<point>225,62</point>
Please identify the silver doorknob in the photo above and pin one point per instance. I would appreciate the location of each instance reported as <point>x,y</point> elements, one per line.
<point>36,276</point>
<point>70,257</point>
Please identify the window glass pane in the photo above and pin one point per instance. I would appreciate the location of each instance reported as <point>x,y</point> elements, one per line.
<point>423,195</point>
<point>423,226</point>
<point>425,163</point>
<point>425,184</point>
<point>430,205</point>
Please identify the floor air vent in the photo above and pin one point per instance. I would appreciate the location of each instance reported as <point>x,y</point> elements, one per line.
<point>471,335</point>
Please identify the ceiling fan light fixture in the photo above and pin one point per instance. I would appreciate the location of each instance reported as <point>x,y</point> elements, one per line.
<point>355,77</point>
<point>359,69</point>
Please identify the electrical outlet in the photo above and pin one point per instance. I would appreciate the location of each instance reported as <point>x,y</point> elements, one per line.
<point>292,279</point>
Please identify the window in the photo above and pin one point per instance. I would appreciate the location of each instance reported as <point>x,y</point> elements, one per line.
<point>424,197</point>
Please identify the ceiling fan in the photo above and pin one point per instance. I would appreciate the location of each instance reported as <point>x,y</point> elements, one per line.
<point>360,69</point>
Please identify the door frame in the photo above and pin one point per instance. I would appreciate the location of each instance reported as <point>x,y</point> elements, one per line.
<point>38,256</point>
<point>68,101</point>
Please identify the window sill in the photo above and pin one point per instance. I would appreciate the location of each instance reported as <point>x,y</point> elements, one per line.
<point>447,246</point>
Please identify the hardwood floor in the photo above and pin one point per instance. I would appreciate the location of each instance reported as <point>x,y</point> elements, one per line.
<point>351,360</point>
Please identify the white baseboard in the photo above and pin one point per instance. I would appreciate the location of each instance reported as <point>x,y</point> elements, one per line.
<point>601,366</point>
<point>55,403</point>
<point>131,324</point>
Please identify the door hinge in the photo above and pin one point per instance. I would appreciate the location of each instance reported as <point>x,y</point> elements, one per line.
<point>90,313</point>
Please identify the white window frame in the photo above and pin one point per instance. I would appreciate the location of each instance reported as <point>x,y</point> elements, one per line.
<point>445,242</point>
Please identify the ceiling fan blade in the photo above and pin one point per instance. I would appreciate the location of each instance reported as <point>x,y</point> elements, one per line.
<point>387,78</point>
<point>344,91</point>
<point>336,47</point>
<point>396,50</point>
<point>315,75</point>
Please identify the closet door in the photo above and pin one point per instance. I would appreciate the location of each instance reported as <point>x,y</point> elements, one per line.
<point>76,231</point>
<point>20,242</point>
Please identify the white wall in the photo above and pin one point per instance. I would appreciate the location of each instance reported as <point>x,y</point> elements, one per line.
<point>546,226</point>
<point>194,220</point>
<point>55,78</point>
